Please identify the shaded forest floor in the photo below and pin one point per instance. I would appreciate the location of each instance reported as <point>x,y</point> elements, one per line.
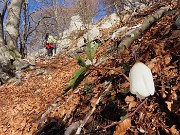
<point>23,102</point>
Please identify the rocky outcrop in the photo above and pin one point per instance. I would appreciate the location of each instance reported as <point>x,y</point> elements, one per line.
<point>6,71</point>
<point>10,63</point>
<point>109,21</point>
<point>6,65</point>
<point>76,24</point>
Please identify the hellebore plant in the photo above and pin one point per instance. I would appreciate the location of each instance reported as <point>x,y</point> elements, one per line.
<point>141,81</point>
<point>81,73</point>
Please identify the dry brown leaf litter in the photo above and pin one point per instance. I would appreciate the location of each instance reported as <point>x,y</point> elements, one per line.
<point>23,104</point>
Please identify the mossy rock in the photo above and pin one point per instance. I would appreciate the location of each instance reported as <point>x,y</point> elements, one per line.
<point>14,53</point>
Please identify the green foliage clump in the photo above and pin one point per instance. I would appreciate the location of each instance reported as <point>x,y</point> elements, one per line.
<point>88,88</point>
<point>80,61</point>
<point>81,73</point>
<point>90,52</point>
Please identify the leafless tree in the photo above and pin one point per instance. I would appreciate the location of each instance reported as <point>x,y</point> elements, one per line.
<point>9,33</point>
<point>12,25</point>
<point>87,9</point>
<point>2,14</point>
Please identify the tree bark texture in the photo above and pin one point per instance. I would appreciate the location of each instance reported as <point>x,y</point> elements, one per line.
<point>12,25</point>
<point>130,38</point>
<point>1,31</point>
<point>8,46</point>
<point>1,23</point>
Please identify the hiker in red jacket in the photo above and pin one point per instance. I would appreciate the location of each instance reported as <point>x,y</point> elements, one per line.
<point>49,44</point>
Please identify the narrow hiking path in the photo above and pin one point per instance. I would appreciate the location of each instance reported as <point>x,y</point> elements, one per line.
<point>23,102</point>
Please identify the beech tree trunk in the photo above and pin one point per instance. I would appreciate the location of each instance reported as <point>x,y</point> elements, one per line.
<point>12,25</point>
<point>1,31</point>
<point>8,46</point>
<point>129,39</point>
<point>1,23</point>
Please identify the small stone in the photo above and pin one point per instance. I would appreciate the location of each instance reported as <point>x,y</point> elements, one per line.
<point>37,91</point>
<point>50,78</point>
<point>142,130</point>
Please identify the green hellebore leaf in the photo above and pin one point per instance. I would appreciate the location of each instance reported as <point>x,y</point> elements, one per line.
<point>93,51</point>
<point>76,75</point>
<point>88,51</point>
<point>81,62</point>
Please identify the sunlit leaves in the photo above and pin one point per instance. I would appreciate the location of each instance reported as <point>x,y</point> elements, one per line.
<point>122,127</point>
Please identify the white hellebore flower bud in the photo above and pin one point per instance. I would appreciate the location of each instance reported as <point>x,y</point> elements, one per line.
<point>141,81</point>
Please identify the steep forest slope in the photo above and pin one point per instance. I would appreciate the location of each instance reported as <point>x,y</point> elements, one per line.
<point>32,104</point>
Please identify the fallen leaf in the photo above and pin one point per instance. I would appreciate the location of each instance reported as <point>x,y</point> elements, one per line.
<point>174,95</point>
<point>85,109</point>
<point>167,58</point>
<point>129,99</point>
<point>141,117</point>
<point>166,30</point>
<point>125,52</point>
<point>151,63</point>
<point>93,101</point>
<point>132,104</point>
<point>122,127</point>
<point>163,90</point>
<point>67,107</point>
<point>124,85</point>
<point>156,68</point>
<point>174,131</point>
<point>176,87</point>
<point>175,34</point>
<point>111,72</point>
<point>169,105</point>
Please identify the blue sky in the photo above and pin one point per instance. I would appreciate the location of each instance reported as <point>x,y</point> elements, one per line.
<point>101,13</point>
<point>36,5</point>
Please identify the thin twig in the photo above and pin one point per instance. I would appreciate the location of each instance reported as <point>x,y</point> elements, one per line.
<point>108,68</point>
<point>118,122</point>
<point>92,111</point>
